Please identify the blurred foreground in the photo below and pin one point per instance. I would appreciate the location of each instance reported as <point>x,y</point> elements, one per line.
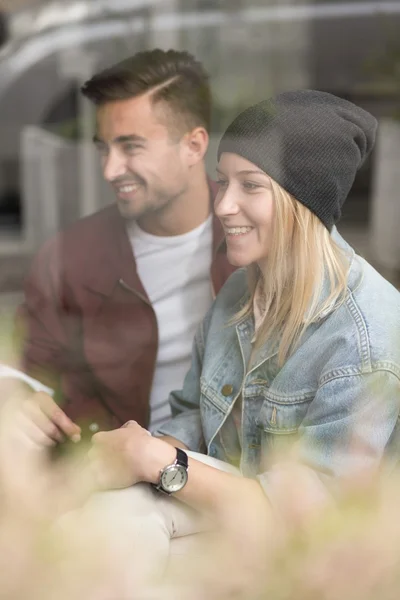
<point>331,551</point>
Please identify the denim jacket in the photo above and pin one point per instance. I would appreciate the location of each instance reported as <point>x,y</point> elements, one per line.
<point>337,395</point>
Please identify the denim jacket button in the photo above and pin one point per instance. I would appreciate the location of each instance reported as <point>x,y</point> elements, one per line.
<point>227,390</point>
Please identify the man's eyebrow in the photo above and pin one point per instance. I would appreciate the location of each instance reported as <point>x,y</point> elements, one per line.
<point>130,138</point>
<point>122,139</point>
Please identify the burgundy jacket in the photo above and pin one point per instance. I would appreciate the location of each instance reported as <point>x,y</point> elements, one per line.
<point>88,328</point>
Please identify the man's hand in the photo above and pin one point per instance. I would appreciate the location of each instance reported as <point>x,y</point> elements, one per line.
<point>43,421</point>
<point>129,455</point>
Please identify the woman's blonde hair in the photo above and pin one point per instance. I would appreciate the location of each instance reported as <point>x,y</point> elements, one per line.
<point>302,255</point>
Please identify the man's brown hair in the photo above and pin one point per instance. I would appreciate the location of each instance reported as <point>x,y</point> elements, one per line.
<point>175,79</point>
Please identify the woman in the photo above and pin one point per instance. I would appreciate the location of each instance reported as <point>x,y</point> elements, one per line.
<point>305,339</point>
<point>301,349</point>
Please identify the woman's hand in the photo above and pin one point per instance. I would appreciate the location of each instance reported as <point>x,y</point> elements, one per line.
<point>129,455</point>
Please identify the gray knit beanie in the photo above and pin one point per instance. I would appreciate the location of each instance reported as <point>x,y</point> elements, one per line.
<point>312,143</point>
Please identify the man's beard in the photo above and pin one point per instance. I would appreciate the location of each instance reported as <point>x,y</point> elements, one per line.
<point>153,204</point>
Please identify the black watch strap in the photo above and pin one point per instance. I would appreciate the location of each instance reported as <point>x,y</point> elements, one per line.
<point>181,458</point>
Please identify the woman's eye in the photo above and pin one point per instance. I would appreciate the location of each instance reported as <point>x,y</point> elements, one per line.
<point>222,182</point>
<point>248,185</point>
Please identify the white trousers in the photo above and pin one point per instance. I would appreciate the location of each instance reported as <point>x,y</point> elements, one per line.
<point>141,530</point>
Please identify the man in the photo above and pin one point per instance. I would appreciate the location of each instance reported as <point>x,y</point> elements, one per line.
<point>112,304</point>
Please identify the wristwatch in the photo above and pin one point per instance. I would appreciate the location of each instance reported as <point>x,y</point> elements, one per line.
<point>173,478</point>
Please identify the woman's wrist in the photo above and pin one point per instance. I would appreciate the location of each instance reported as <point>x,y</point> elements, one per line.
<point>158,454</point>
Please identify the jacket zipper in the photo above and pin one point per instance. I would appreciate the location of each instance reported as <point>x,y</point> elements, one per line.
<point>213,294</point>
<point>138,294</point>
<point>126,287</point>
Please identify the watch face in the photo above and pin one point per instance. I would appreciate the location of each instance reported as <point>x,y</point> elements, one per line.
<point>174,478</point>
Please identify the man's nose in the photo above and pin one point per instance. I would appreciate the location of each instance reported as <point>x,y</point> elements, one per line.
<point>114,166</point>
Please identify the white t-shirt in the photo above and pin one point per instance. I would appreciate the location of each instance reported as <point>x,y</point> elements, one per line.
<point>175,272</point>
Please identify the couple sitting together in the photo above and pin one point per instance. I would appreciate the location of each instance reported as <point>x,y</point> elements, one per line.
<point>298,355</point>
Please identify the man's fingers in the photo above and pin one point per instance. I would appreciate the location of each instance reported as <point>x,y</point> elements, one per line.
<point>34,432</point>
<point>32,412</point>
<point>57,416</point>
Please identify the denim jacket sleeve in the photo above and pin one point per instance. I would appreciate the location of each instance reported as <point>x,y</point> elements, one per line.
<point>348,426</point>
<point>185,424</point>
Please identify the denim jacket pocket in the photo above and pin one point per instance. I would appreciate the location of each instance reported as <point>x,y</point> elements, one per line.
<point>279,419</point>
<point>282,414</point>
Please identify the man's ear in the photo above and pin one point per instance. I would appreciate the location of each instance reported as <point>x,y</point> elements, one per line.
<point>196,144</point>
